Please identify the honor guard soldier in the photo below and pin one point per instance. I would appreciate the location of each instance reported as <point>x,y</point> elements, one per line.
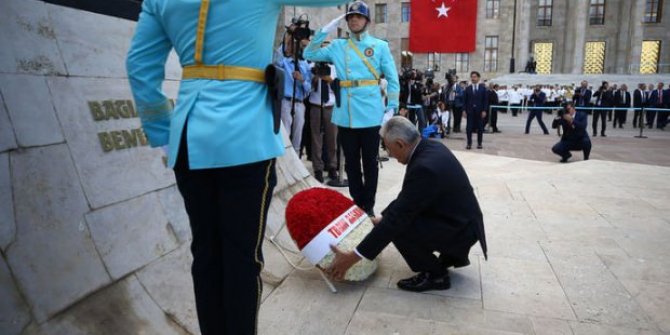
<point>221,139</point>
<point>359,61</point>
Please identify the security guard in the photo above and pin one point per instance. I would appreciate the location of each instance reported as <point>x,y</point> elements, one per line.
<point>359,61</point>
<point>219,137</point>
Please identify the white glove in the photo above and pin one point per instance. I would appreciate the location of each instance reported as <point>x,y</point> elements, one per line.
<point>387,115</point>
<point>166,149</point>
<point>330,27</point>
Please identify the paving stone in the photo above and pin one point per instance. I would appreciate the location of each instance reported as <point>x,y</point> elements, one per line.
<point>34,120</point>
<point>276,266</point>
<point>594,293</point>
<point>14,313</point>
<point>139,169</point>
<point>7,219</point>
<point>173,207</point>
<point>83,50</point>
<point>638,269</point>
<point>50,207</point>
<point>7,136</point>
<point>586,328</point>
<point>303,306</point>
<point>523,286</point>
<point>122,308</point>
<point>653,297</point>
<point>169,283</point>
<point>457,312</point>
<point>28,39</point>
<point>544,326</point>
<point>131,234</point>
<point>643,244</point>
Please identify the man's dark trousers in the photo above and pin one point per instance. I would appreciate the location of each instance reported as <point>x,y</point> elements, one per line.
<point>564,147</point>
<point>602,114</point>
<point>458,115</point>
<point>361,144</point>
<point>227,209</point>
<point>475,123</point>
<point>417,245</point>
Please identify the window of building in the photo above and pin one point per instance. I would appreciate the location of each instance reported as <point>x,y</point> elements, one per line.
<point>594,57</point>
<point>543,52</point>
<point>405,55</point>
<point>652,11</point>
<point>597,12</point>
<point>462,62</point>
<point>544,12</point>
<point>380,13</point>
<point>492,9</point>
<point>650,56</point>
<point>434,60</point>
<point>405,12</point>
<point>491,54</point>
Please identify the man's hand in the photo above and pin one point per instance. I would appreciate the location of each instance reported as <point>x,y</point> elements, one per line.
<point>567,117</point>
<point>297,76</point>
<point>376,220</point>
<point>327,79</point>
<point>483,115</point>
<point>342,262</point>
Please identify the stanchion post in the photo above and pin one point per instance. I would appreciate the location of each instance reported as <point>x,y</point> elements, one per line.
<point>641,123</point>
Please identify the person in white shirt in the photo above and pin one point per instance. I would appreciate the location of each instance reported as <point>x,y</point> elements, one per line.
<point>323,131</point>
<point>515,100</point>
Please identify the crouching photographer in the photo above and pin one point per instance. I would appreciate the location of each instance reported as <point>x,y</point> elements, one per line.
<point>574,136</point>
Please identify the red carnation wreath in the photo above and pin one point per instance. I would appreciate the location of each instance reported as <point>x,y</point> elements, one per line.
<point>314,213</point>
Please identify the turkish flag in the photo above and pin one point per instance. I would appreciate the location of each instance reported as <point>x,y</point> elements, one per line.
<point>443,26</point>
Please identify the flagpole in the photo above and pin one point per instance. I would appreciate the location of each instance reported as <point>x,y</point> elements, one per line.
<point>511,61</point>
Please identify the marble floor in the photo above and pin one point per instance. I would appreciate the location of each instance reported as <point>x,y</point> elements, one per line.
<point>579,248</point>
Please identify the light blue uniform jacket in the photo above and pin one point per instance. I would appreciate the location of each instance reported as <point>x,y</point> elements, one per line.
<point>229,122</point>
<point>361,107</point>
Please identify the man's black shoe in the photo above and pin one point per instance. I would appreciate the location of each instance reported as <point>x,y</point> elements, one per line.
<point>468,147</point>
<point>425,282</point>
<point>332,174</point>
<point>603,135</point>
<point>479,146</point>
<point>319,176</point>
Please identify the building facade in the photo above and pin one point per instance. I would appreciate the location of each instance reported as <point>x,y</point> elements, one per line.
<point>566,36</point>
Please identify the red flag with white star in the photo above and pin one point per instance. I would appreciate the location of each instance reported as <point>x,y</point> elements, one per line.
<point>444,26</point>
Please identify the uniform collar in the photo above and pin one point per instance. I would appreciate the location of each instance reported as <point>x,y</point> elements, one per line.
<point>362,36</point>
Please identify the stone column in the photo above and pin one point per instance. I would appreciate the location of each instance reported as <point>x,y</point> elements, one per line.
<point>579,27</point>
<point>636,35</point>
<point>523,33</point>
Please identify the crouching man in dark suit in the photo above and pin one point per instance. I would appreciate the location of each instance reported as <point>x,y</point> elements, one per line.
<point>574,136</point>
<point>436,210</point>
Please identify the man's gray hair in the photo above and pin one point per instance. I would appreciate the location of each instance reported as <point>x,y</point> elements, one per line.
<point>399,127</point>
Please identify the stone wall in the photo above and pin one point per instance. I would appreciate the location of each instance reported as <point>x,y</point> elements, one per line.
<point>93,235</point>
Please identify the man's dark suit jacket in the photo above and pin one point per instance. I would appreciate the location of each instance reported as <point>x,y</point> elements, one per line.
<point>575,132</point>
<point>618,98</point>
<point>537,99</point>
<point>582,97</point>
<point>654,99</point>
<point>637,99</point>
<point>475,103</point>
<point>436,201</point>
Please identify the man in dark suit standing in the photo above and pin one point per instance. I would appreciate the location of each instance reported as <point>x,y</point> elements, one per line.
<point>574,135</point>
<point>536,100</point>
<point>659,99</point>
<point>622,100</point>
<point>475,106</point>
<point>639,101</point>
<point>582,97</point>
<point>604,100</point>
<point>436,210</point>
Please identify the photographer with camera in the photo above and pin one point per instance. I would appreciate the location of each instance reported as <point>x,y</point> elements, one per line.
<point>323,131</point>
<point>574,136</point>
<point>359,111</point>
<point>297,81</point>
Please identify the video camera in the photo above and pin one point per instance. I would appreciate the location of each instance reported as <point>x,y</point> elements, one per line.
<point>321,69</point>
<point>301,30</point>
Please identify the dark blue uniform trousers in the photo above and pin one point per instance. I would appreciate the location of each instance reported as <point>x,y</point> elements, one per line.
<point>361,145</point>
<point>227,209</point>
